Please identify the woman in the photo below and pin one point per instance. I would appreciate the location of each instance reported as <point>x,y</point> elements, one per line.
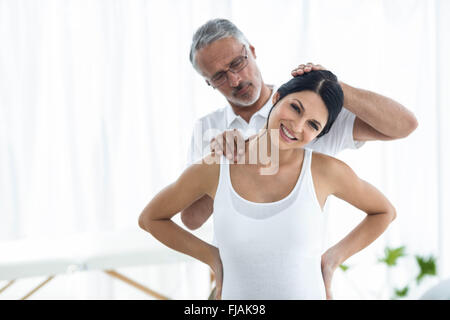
<point>269,227</point>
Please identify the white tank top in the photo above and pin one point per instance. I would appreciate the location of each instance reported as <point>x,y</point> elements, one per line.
<point>270,250</point>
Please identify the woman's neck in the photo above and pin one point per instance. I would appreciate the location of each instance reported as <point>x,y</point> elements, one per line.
<point>269,153</point>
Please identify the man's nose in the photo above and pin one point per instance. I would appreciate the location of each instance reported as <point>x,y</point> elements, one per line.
<point>233,79</point>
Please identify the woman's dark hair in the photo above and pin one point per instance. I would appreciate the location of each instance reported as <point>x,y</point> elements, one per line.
<point>322,82</point>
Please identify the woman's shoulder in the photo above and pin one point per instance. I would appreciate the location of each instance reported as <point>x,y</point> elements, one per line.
<point>209,162</point>
<point>321,158</point>
<point>323,164</point>
<point>205,171</point>
<point>208,165</point>
<point>328,173</point>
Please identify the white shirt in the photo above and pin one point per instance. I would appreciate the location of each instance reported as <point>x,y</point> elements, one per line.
<point>339,137</point>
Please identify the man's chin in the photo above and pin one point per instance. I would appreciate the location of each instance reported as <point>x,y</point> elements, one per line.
<point>242,104</point>
<point>245,101</point>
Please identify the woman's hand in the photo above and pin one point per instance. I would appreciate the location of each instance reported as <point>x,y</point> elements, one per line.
<point>217,268</point>
<point>328,267</point>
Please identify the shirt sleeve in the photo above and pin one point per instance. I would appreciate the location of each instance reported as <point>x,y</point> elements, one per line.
<point>340,136</point>
<point>195,151</point>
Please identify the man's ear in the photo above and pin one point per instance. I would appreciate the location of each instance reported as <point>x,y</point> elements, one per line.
<point>275,98</point>
<point>252,49</point>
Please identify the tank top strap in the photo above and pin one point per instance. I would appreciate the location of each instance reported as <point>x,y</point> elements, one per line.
<point>307,167</point>
<point>309,181</point>
<point>224,180</point>
<point>307,160</point>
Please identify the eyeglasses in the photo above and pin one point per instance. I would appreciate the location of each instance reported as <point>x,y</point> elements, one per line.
<point>235,66</point>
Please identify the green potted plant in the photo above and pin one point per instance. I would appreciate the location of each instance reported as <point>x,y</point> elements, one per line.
<point>426,268</point>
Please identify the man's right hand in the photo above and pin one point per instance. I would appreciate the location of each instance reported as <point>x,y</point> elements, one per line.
<point>229,143</point>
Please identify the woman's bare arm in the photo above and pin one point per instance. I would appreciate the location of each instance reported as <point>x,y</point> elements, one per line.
<point>334,177</point>
<point>196,181</point>
<point>343,183</point>
<point>198,212</point>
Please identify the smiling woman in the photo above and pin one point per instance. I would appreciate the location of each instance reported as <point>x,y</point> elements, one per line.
<point>322,91</point>
<point>269,227</point>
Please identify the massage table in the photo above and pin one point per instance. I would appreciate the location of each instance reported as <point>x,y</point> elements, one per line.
<point>50,256</point>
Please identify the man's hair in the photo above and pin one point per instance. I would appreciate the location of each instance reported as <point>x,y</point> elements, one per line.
<point>322,82</point>
<point>211,31</point>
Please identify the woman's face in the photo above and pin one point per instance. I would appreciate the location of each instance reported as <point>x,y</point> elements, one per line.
<point>297,119</point>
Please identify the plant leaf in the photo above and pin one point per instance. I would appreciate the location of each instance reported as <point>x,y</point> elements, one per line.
<point>427,267</point>
<point>344,267</point>
<point>401,293</point>
<point>391,255</point>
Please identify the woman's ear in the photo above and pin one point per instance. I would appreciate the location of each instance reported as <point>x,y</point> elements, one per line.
<point>275,98</point>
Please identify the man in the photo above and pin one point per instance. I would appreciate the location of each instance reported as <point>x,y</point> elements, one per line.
<point>222,55</point>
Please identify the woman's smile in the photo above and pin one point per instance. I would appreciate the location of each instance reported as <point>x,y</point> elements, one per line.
<point>286,134</point>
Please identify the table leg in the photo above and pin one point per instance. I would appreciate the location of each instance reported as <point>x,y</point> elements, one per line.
<point>38,287</point>
<point>133,283</point>
<point>6,287</point>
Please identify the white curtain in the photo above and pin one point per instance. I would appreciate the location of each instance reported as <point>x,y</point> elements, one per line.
<point>98,100</point>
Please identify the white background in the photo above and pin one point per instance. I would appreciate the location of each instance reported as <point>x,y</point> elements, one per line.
<point>98,100</point>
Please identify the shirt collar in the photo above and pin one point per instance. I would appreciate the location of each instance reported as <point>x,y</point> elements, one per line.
<point>263,112</point>
<point>231,116</point>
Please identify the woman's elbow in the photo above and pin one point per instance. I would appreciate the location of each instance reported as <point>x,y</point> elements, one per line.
<point>410,126</point>
<point>141,221</point>
<point>413,123</point>
<point>144,221</point>
<point>392,213</point>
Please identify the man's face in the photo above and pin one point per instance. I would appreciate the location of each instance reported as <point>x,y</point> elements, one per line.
<point>242,88</point>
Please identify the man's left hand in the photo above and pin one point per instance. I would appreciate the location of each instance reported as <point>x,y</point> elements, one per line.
<point>305,68</point>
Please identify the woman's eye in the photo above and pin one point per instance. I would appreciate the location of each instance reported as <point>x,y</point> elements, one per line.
<point>296,108</point>
<point>313,125</point>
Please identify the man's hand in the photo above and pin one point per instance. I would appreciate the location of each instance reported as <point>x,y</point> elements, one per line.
<point>229,143</point>
<point>305,68</point>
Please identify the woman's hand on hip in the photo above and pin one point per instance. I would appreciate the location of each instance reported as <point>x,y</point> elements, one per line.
<point>217,268</point>
<point>328,265</point>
